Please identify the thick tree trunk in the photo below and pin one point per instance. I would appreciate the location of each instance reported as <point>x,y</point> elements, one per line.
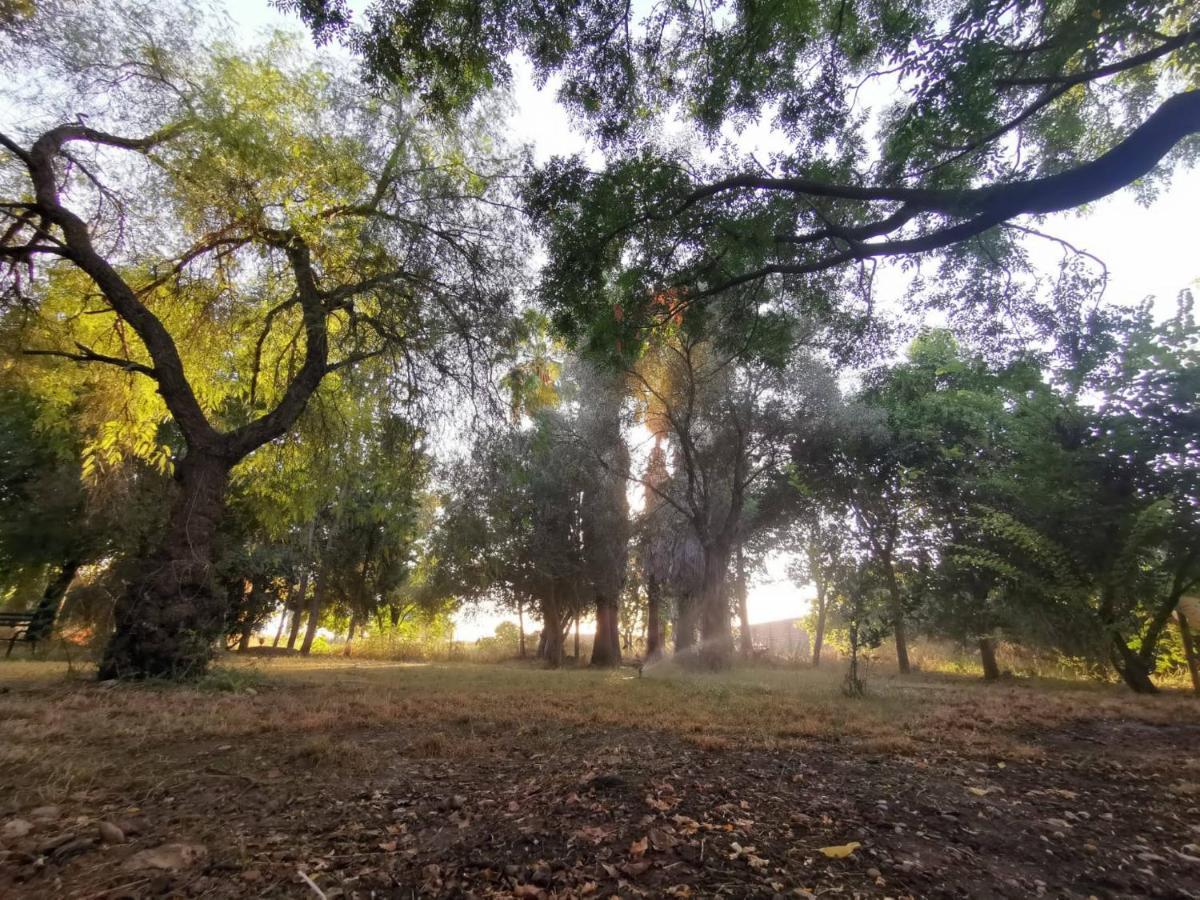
<point>1132,668</point>
<point>552,635</point>
<point>314,612</point>
<point>654,641</point>
<point>1189,648</point>
<point>716,634</point>
<point>687,624</point>
<point>819,637</point>
<point>987,655</point>
<point>606,647</point>
<point>169,619</point>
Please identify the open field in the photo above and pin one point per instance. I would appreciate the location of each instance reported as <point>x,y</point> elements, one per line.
<point>501,781</point>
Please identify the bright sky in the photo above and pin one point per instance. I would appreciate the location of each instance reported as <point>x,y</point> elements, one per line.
<point>1148,250</point>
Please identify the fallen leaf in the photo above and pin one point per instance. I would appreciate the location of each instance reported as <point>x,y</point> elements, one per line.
<point>638,848</point>
<point>978,791</point>
<point>841,851</point>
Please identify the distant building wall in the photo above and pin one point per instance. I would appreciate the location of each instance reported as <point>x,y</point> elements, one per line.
<point>785,638</point>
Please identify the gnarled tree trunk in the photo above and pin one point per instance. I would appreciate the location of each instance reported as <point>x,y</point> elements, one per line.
<point>168,620</point>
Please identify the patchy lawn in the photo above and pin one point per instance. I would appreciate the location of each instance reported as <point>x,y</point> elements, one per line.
<point>290,778</point>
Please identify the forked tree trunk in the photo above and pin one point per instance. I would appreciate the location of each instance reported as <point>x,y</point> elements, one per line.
<point>987,655</point>
<point>169,619</point>
<point>819,637</point>
<point>1132,668</point>
<point>606,646</point>
<point>654,640</point>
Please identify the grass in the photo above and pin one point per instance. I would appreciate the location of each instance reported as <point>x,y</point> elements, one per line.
<point>70,729</point>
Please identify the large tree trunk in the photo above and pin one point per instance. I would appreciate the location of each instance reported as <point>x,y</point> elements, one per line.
<point>314,612</point>
<point>687,623</point>
<point>987,655</point>
<point>168,620</point>
<point>1189,648</point>
<point>606,647</point>
<point>654,639</point>
<point>819,637</point>
<point>716,634</point>
<point>552,634</point>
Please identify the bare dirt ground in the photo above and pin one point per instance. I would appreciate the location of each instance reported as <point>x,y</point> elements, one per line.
<point>292,780</point>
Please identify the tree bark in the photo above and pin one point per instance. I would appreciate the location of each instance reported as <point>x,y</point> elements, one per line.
<point>350,634</point>
<point>1189,649</point>
<point>819,637</point>
<point>552,634</point>
<point>687,622</point>
<point>987,655</point>
<point>716,634</point>
<point>745,638</point>
<point>654,640</point>
<point>898,627</point>
<point>314,612</point>
<point>168,620</point>
<point>606,647</point>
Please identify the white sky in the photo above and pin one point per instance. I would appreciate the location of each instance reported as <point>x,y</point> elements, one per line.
<point>1148,250</point>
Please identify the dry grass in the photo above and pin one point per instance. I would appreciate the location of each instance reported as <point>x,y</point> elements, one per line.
<point>73,733</point>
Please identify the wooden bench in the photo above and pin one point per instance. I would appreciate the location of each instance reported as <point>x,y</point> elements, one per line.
<point>23,628</point>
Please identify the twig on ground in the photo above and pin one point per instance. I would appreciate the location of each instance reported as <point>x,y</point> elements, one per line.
<point>312,884</point>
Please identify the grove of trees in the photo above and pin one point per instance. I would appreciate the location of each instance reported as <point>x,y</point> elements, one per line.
<point>294,332</point>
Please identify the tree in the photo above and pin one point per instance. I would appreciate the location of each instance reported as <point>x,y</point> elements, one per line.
<point>732,415</point>
<point>605,506</point>
<point>259,201</point>
<point>995,113</point>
